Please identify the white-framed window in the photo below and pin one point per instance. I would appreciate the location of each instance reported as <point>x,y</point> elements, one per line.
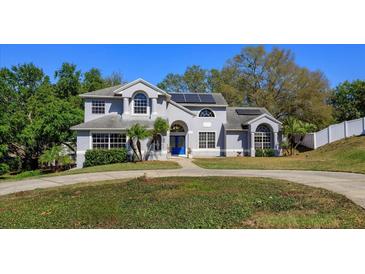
<point>158,143</point>
<point>263,137</point>
<point>98,107</point>
<point>206,113</point>
<point>206,139</point>
<point>117,140</point>
<point>100,140</point>
<point>140,104</point>
<point>108,140</point>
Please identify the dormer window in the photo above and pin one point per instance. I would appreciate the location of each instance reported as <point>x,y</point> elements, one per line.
<point>98,107</point>
<point>206,113</point>
<point>140,102</point>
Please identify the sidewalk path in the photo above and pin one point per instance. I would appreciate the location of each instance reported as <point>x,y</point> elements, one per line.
<point>351,185</point>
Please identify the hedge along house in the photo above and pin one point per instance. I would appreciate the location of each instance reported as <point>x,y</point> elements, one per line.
<point>201,124</point>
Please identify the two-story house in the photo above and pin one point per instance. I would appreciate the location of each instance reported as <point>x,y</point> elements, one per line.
<point>201,124</point>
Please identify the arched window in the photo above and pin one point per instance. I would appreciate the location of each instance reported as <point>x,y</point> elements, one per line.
<point>140,104</point>
<point>177,128</point>
<point>158,143</point>
<point>263,137</point>
<point>206,113</point>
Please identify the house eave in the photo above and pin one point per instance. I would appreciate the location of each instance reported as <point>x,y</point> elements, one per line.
<point>97,96</point>
<point>88,129</point>
<point>202,105</point>
<point>235,129</point>
<point>264,115</point>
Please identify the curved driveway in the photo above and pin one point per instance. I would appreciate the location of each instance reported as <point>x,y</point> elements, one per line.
<point>351,185</point>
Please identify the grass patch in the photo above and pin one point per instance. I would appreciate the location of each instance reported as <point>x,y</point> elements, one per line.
<point>346,155</point>
<point>147,165</point>
<point>203,202</point>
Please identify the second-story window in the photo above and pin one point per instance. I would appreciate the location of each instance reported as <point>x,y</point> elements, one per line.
<point>206,113</point>
<point>140,104</point>
<point>98,107</point>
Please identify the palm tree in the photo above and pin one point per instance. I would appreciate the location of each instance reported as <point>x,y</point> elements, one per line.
<point>296,128</point>
<point>137,133</point>
<point>54,157</point>
<point>161,126</point>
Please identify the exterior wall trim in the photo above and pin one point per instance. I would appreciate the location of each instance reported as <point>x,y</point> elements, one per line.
<point>98,96</point>
<point>202,105</point>
<point>100,129</point>
<point>264,115</point>
<point>245,130</point>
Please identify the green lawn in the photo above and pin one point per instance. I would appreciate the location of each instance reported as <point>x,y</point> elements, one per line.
<point>203,202</point>
<point>345,155</point>
<point>147,165</point>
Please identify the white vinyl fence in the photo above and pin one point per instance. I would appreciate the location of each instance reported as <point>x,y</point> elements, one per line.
<point>334,133</point>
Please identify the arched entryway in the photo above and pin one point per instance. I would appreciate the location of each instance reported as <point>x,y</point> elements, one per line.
<point>178,142</point>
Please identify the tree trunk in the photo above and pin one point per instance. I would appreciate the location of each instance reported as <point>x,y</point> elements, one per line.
<point>291,144</point>
<point>139,149</point>
<point>131,143</point>
<point>300,141</point>
<point>150,148</point>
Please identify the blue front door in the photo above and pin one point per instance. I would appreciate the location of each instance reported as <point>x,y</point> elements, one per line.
<point>177,144</point>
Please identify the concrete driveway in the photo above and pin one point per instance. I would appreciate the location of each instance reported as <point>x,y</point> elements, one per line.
<point>349,184</point>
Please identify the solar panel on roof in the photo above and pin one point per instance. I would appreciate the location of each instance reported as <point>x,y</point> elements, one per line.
<point>178,97</point>
<point>207,98</point>
<point>192,98</point>
<point>248,111</point>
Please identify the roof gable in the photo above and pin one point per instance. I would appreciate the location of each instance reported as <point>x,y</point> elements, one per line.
<point>139,84</point>
<point>237,121</point>
<point>265,115</point>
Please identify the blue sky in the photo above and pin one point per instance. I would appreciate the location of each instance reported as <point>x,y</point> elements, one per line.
<point>153,62</point>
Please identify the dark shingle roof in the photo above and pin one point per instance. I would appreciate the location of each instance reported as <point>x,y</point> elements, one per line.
<point>102,92</point>
<point>112,121</point>
<point>235,121</point>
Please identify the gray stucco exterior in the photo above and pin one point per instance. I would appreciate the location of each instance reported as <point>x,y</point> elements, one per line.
<point>234,134</point>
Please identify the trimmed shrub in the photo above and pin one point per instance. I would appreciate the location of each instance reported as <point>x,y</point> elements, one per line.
<point>266,152</point>
<point>4,168</point>
<point>15,164</point>
<point>105,156</point>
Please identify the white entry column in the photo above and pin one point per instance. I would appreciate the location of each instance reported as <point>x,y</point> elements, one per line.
<point>126,109</point>
<point>253,152</point>
<point>153,108</point>
<point>276,144</point>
